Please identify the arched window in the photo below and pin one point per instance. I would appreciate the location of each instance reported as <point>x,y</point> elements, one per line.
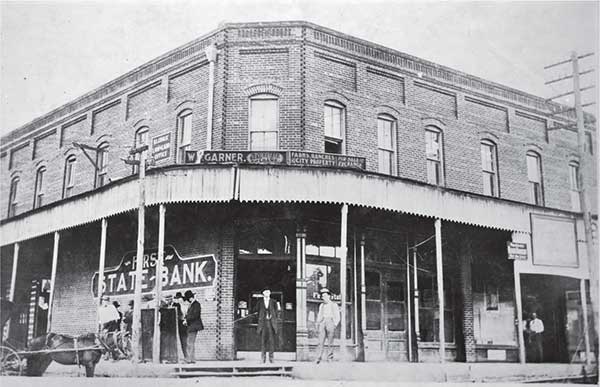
<point>69,178</point>
<point>12,198</point>
<point>38,195</point>
<point>184,133</point>
<point>386,140</point>
<point>534,175</point>
<point>574,185</point>
<point>334,117</point>
<point>141,138</point>
<point>489,168</point>
<point>101,165</point>
<point>434,154</point>
<point>263,120</point>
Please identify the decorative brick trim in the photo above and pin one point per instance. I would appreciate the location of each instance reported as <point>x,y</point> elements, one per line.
<point>271,50</point>
<point>303,90</point>
<point>265,88</point>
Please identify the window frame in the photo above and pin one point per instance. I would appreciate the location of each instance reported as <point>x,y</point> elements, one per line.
<point>393,149</point>
<point>263,97</point>
<point>181,145</point>
<point>69,177</point>
<point>338,141</point>
<point>144,130</point>
<point>536,196</point>
<point>574,185</point>
<point>12,198</point>
<point>101,164</point>
<point>38,190</point>
<point>441,181</point>
<point>493,173</point>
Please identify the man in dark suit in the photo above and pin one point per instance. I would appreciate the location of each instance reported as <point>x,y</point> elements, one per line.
<point>193,321</point>
<point>267,324</point>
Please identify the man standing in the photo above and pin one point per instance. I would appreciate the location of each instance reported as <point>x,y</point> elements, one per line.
<point>267,324</point>
<point>193,321</point>
<point>108,316</point>
<point>536,328</point>
<point>327,320</point>
<point>182,328</point>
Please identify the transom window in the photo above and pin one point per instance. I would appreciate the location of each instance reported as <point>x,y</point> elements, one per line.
<point>534,175</point>
<point>38,196</point>
<point>386,134</point>
<point>12,199</point>
<point>101,164</point>
<point>489,168</point>
<point>335,127</point>
<point>69,182</point>
<point>184,133</point>
<point>263,122</point>
<point>433,150</point>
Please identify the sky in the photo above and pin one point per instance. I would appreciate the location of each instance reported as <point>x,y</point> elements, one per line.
<point>52,52</point>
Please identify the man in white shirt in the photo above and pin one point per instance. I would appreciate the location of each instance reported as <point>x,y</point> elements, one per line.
<point>327,320</point>
<point>108,315</point>
<point>536,328</point>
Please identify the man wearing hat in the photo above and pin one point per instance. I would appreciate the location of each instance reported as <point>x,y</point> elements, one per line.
<point>181,308</point>
<point>267,324</point>
<point>327,320</point>
<point>193,321</point>
<point>108,315</point>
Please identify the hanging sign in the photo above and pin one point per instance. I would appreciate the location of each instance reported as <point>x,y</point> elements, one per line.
<point>161,147</point>
<point>177,273</point>
<point>517,251</point>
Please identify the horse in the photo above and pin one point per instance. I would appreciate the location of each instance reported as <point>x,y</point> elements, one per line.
<point>88,356</point>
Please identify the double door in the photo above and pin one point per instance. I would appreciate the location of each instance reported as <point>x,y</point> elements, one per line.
<point>386,325</point>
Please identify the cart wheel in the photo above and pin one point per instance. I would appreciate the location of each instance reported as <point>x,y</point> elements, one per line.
<point>10,362</point>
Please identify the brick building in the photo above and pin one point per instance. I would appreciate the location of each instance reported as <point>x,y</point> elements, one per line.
<point>283,152</point>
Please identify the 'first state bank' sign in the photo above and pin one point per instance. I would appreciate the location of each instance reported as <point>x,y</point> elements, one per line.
<point>177,273</point>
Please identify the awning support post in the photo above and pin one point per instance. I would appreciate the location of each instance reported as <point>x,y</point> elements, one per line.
<point>440,286</point>
<point>53,279</point>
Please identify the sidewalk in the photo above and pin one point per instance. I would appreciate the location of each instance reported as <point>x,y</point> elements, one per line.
<point>355,371</point>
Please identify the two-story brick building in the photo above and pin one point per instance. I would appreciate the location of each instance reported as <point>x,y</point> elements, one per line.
<point>440,208</point>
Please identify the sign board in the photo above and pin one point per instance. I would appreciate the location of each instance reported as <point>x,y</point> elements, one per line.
<point>178,273</point>
<point>191,157</point>
<point>517,251</point>
<point>161,147</point>
<point>293,158</point>
<point>244,157</point>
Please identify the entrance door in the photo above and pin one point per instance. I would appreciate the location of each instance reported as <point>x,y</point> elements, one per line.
<point>385,338</point>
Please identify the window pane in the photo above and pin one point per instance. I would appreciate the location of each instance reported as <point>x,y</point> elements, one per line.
<point>488,183</point>
<point>487,157</point>
<point>573,172</point>
<point>333,121</point>
<point>270,140</point>
<point>433,175</point>
<point>385,161</point>
<point>385,134</point>
<point>395,291</point>
<point>395,316</point>
<point>185,129</point>
<point>373,315</point>
<point>263,115</point>
<point>533,168</point>
<point>432,145</point>
<point>373,285</point>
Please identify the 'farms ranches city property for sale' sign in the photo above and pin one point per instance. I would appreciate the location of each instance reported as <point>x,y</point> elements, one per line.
<point>177,273</point>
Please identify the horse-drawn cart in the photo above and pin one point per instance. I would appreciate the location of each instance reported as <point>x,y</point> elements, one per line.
<point>84,350</point>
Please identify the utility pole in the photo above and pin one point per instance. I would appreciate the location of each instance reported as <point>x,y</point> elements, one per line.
<point>139,262</point>
<point>583,196</point>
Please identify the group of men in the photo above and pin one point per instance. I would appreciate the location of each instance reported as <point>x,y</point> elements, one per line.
<point>327,320</point>
<point>189,320</point>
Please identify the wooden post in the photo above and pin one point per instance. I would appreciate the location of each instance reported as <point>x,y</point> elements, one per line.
<point>13,279</point>
<point>158,284</point>
<point>408,301</point>
<point>363,287</point>
<point>355,293</point>
<point>519,305</point>
<point>302,350</point>
<point>416,299</point>
<point>101,264</point>
<point>440,286</point>
<point>343,264</point>
<point>584,311</point>
<point>137,295</point>
<point>53,279</point>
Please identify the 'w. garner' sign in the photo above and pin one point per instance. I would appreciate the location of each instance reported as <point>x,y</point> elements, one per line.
<point>177,273</point>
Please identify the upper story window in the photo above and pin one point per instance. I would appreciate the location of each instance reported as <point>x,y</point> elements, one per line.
<point>434,154</point>
<point>386,134</point>
<point>101,164</point>
<point>589,143</point>
<point>184,133</point>
<point>38,195</point>
<point>335,127</point>
<point>12,198</point>
<point>534,175</point>
<point>69,182</point>
<point>141,138</point>
<point>489,167</point>
<point>263,122</point>
<point>574,185</point>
